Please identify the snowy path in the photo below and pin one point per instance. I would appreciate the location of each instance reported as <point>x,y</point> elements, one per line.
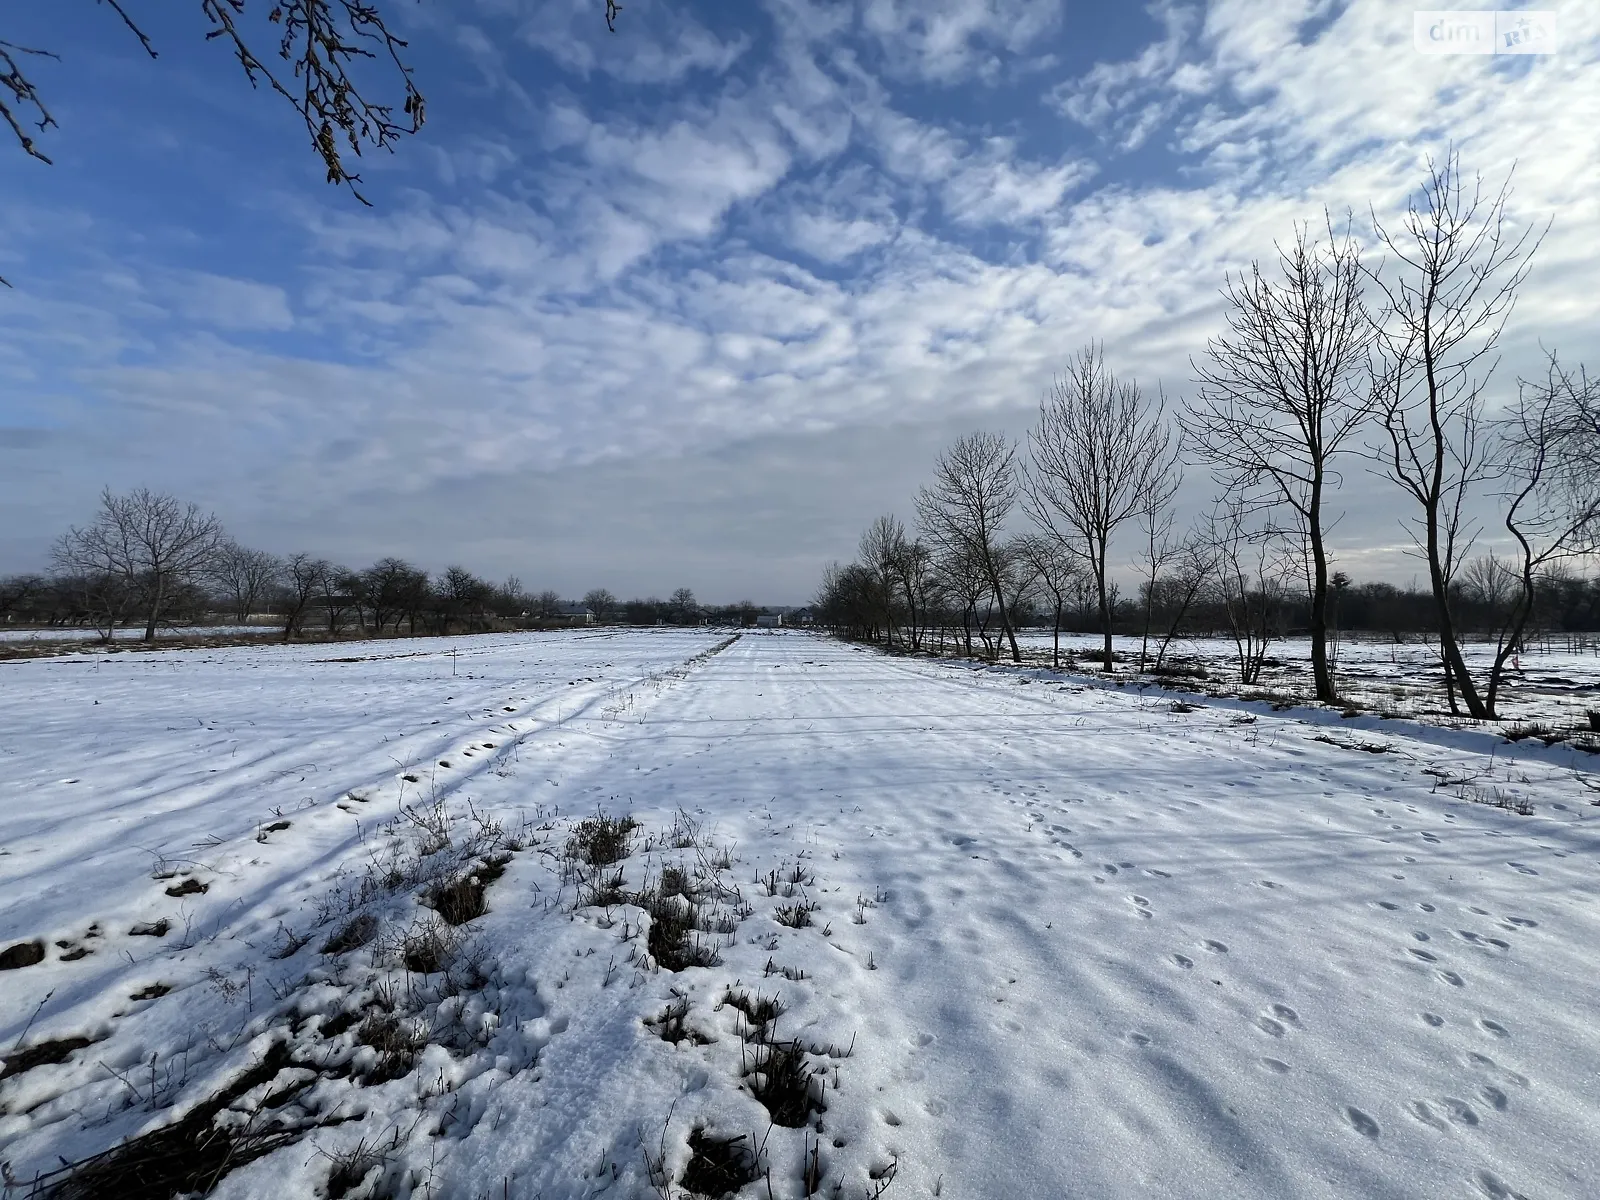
<point>1101,948</point>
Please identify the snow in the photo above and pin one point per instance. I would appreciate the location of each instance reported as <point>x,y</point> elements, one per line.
<point>1552,682</point>
<point>1075,940</point>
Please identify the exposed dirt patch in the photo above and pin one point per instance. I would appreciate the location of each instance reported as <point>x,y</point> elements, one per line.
<point>41,1054</point>
<point>23,954</point>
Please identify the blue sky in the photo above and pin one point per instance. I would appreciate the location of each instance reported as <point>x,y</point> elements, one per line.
<point>689,304</point>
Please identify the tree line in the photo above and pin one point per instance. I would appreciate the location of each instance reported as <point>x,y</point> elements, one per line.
<point>1328,362</point>
<point>150,559</point>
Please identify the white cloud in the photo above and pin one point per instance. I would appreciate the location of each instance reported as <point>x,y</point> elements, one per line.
<point>945,41</point>
<point>232,304</point>
<point>628,294</point>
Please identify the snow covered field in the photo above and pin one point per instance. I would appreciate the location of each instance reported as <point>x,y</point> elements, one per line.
<point>1066,941</point>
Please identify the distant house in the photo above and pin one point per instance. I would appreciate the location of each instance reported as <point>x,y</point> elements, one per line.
<point>769,621</point>
<point>800,616</point>
<point>572,614</point>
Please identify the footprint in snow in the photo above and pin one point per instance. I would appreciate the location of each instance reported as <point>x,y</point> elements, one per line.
<point>1452,978</point>
<point>1183,960</point>
<point>1216,947</point>
<point>1361,1123</point>
<point>1495,1188</point>
<point>1158,874</point>
<point>1284,1013</point>
<point>1484,1063</point>
<point>1276,1065</point>
<point>1424,955</point>
<point>1494,1027</point>
<point>1268,1026</point>
<point>1433,1019</point>
<point>1495,1097</point>
<point>1522,869</point>
<point>1523,922</point>
<point>1423,1111</point>
<point>1388,905</point>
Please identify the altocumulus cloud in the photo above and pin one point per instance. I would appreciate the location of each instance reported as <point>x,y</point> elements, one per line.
<point>630,299</point>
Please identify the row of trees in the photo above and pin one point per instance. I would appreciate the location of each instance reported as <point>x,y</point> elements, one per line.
<point>1326,361</point>
<point>150,559</point>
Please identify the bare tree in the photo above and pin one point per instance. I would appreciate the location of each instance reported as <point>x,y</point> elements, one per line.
<point>1101,455</point>
<point>302,580</point>
<point>1177,591</point>
<point>1249,567</point>
<point>151,543</point>
<point>243,576</point>
<point>601,603</point>
<point>1157,549</point>
<point>684,607</point>
<point>17,590</point>
<point>546,605</point>
<point>912,564</point>
<point>1552,500</point>
<point>1457,268</point>
<point>1282,394</point>
<point>881,548</point>
<point>963,582</point>
<point>964,510</point>
<point>1056,570</point>
<point>460,596</point>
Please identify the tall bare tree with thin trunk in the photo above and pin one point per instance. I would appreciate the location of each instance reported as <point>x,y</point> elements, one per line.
<point>1552,498</point>
<point>1457,265</point>
<point>1057,570</point>
<point>964,510</point>
<point>1101,455</point>
<point>880,550</point>
<point>153,543</point>
<point>1283,394</point>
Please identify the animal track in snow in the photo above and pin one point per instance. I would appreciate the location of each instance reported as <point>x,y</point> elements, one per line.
<point>1494,1027</point>
<point>1424,955</point>
<point>1361,1123</point>
<point>1433,1019</point>
<point>1495,1188</point>
<point>1484,1063</point>
<point>1276,1065</point>
<point>1452,978</point>
<point>1216,947</point>
<point>1183,960</point>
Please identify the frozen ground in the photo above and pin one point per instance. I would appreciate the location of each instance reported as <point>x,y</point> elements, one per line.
<point>1067,941</point>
